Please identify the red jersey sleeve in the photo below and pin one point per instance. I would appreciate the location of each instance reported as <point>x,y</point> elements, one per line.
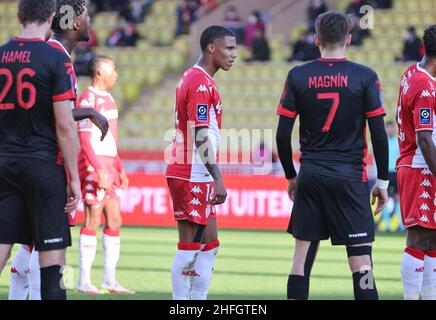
<point>287,105</point>
<point>198,102</point>
<point>85,130</point>
<point>423,104</point>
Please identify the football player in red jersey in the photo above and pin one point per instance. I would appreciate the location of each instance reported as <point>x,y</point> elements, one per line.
<point>193,177</point>
<point>102,180</point>
<point>416,169</point>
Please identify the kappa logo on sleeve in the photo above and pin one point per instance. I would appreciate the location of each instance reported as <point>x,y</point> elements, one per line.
<point>202,112</point>
<point>425,116</point>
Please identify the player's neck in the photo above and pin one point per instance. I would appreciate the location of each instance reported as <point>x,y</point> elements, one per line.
<point>68,43</point>
<point>100,86</point>
<point>429,65</point>
<point>208,67</point>
<point>337,53</point>
<point>33,31</point>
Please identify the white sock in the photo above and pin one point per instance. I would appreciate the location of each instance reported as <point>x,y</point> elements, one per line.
<point>183,270</point>
<point>111,254</point>
<point>412,271</point>
<point>87,249</point>
<point>204,267</point>
<point>34,277</point>
<point>19,281</point>
<point>428,291</point>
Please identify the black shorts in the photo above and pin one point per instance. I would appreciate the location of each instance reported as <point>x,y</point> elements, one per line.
<point>32,200</point>
<point>331,207</point>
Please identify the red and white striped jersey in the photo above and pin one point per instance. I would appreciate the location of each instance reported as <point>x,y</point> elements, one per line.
<point>104,103</point>
<point>416,112</point>
<point>198,104</point>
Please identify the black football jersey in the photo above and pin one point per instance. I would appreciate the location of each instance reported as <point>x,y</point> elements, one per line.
<point>33,75</point>
<point>333,98</point>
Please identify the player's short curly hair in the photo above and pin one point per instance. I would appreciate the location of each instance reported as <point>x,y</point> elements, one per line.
<point>332,27</point>
<point>78,7</point>
<point>30,11</point>
<point>210,34</point>
<point>430,41</point>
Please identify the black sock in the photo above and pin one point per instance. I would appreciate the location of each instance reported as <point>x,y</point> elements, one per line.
<point>298,287</point>
<point>51,279</point>
<point>364,286</point>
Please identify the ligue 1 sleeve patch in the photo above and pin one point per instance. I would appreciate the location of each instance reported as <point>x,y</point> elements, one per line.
<point>424,116</point>
<point>202,112</point>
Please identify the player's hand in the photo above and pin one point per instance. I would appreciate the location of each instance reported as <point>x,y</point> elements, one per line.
<point>101,122</point>
<point>382,196</point>
<point>220,193</point>
<point>73,196</point>
<point>124,179</point>
<point>292,185</point>
<point>103,180</point>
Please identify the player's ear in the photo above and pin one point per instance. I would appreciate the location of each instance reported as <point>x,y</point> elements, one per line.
<point>76,24</point>
<point>211,48</point>
<point>348,40</point>
<point>50,19</point>
<point>316,40</point>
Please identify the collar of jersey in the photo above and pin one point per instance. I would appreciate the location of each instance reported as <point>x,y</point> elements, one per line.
<point>425,71</point>
<point>333,60</point>
<point>98,91</point>
<point>198,67</point>
<point>61,45</point>
<point>27,39</point>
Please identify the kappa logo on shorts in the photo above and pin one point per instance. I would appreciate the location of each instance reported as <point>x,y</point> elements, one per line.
<point>426,183</point>
<point>202,112</point>
<point>424,207</point>
<point>424,219</point>
<point>425,195</point>
<point>196,189</point>
<point>194,213</point>
<point>426,172</point>
<point>195,202</point>
<point>424,116</point>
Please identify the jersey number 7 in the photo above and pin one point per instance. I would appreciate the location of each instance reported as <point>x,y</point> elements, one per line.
<point>334,108</point>
<point>21,86</point>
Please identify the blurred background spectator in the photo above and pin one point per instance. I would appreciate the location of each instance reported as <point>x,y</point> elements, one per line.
<point>316,7</point>
<point>305,49</point>
<point>186,14</point>
<point>234,22</point>
<point>254,22</point>
<point>413,48</point>
<point>260,50</point>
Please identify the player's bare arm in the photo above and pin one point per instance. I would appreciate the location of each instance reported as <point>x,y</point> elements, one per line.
<point>204,145</point>
<point>428,149</point>
<point>68,141</point>
<point>284,148</point>
<point>96,118</point>
<point>379,141</point>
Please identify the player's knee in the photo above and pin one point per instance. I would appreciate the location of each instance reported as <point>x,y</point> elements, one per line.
<point>359,258</point>
<point>113,224</point>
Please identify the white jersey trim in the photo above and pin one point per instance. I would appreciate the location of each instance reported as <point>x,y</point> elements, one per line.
<point>98,91</point>
<point>61,45</point>
<point>425,71</point>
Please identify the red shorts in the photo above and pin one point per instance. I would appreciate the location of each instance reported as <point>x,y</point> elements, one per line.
<point>92,195</point>
<point>417,188</point>
<point>191,200</point>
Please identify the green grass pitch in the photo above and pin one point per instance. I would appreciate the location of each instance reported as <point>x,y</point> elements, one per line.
<point>250,265</point>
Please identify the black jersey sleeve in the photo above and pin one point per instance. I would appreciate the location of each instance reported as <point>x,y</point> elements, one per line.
<point>284,145</point>
<point>373,97</point>
<point>63,82</point>
<point>287,106</point>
